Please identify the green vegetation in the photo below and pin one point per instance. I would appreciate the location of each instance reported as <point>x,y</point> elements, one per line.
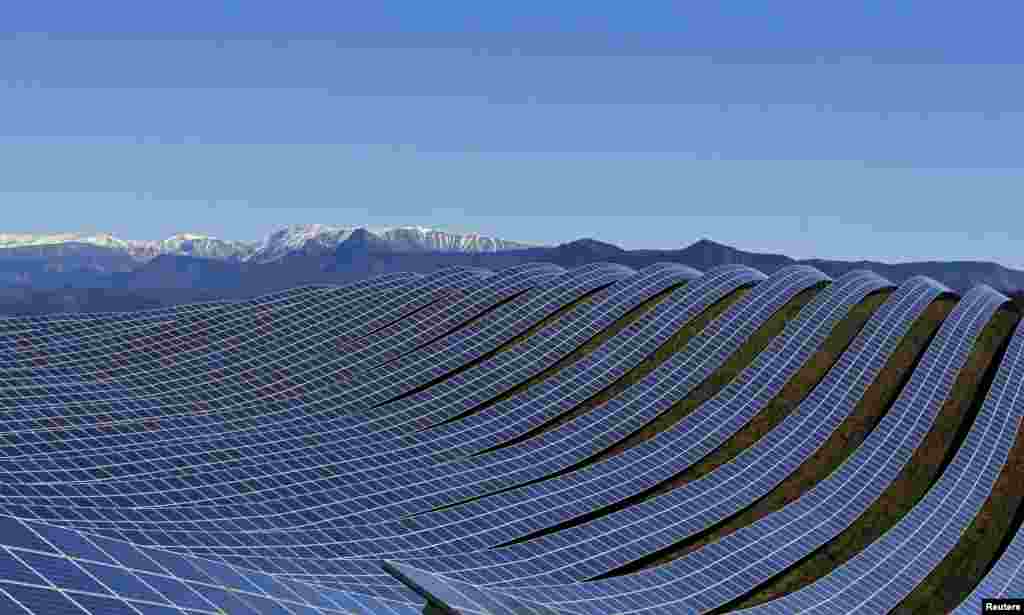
<point>911,483</point>
<point>594,295</point>
<point>792,394</point>
<point>843,442</point>
<point>585,349</point>
<point>733,366</point>
<point>677,341</point>
<point>746,354</point>
<point>982,542</point>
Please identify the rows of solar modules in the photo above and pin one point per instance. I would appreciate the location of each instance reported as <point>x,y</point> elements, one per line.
<point>790,347</point>
<point>1004,580</point>
<point>420,439</point>
<point>879,577</point>
<point>552,340</point>
<point>229,323</point>
<point>47,570</point>
<point>716,574</point>
<point>66,317</point>
<point>312,292</point>
<point>601,545</point>
<point>857,282</point>
<point>733,278</point>
<point>77,437</point>
<point>264,434</point>
<point>582,286</point>
<point>773,294</point>
<point>13,418</point>
<point>211,323</point>
<point>474,386</point>
<point>90,326</point>
<point>64,371</point>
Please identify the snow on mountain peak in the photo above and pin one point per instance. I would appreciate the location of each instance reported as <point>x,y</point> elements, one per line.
<point>190,236</point>
<point>274,246</point>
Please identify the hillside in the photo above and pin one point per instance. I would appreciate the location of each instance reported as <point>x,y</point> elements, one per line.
<point>519,436</point>
<point>40,282</point>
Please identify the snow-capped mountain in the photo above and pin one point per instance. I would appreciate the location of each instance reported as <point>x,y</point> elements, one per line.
<point>305,238</point>
<point>420,238</point>
<point>205,247</point>
<point>141,250</point>
<point>308,237</point>
<point>25,240</point>
<point>319,237</point>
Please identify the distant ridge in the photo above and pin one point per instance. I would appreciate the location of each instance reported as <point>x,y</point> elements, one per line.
<point>304,238</point>
<point>303,254</point>
<point>362,254</point>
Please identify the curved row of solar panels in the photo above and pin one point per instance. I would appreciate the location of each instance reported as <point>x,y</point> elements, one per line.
<point>533,440</point>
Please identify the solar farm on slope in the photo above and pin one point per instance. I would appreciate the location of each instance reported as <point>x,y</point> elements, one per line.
<point>533,440</point>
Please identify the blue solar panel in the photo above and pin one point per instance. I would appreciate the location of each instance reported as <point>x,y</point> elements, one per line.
<point>1004,580</point>
<point>879,577</point>
<point>50,583</point>
<point>791,291</point>
<point>264,455</point>
<point>162,411</point>
<point>366,393</point>
<point>601,545</point>
<point>742,560</point>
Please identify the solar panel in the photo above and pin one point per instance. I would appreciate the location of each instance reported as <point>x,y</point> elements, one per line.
<point>109,577</point>
<point>789,284</point>
<point>880,576</point>
<point>599,546</point>
<point>714,574</point>
<point>417,368</point>
<point>246,475</point>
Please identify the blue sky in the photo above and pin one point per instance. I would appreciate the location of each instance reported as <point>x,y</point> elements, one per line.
<point>883,130</point>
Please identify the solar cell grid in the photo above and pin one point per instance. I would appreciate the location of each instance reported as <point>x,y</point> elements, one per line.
<point>424,364</point>
<point>1004,580</point>
<point>880,576</point>
<point>251,466</point>
<point>712,575</point>
<point>291,520</point>
<point>784,287</point>
<point>93,327</point>
<point>195,310</point>
<point>129,577</point>
<point>531,356</point>
<point>599,546</point>
<point>75,383</point>
<point>296,299</point>
<point>489,474</point>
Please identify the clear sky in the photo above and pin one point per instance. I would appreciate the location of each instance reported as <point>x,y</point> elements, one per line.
<point>888,130</point>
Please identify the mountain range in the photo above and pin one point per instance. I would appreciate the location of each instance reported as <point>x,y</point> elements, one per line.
<point>82,259</point>
<point>102,273</point>
<point>276,245</point>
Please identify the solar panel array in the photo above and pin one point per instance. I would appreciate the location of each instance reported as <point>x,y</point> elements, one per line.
<point>587,550</point>
<point>456,437</point>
